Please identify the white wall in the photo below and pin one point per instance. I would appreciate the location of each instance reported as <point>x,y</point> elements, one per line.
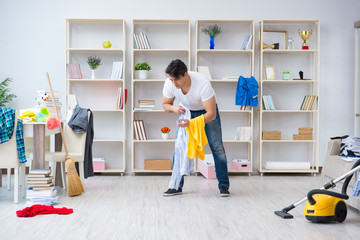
<point>32,42</point>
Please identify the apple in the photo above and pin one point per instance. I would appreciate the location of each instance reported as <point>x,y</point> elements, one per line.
<point>107,44</point>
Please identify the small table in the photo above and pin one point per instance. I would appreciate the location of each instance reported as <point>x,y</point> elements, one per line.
<point>38,131</point>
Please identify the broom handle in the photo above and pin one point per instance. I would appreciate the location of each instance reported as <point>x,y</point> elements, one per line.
<point>57,114</point>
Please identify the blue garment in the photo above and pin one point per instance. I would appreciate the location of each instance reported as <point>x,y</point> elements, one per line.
<point>181,163</point>
<point>214,136</point>
<point>356,189</point>
<point>7,122</point>
<point>247,92</point>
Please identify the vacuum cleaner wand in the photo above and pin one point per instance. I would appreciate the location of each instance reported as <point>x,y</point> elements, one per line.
<point>284,212</point>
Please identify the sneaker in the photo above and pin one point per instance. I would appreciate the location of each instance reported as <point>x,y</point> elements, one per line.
<point>224,192</point>
<point>172,192</point>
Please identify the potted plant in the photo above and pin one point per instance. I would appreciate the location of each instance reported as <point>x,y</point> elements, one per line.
<point>94,63</point>
<point>212,31</point>
<point>165,133</point>
<point>142,69</point>
<point>5,95</point>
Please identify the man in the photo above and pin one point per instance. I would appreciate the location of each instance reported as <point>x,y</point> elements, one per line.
<point>194,91</point>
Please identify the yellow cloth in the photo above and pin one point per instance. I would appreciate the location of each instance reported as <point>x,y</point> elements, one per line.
<point>197,138</point>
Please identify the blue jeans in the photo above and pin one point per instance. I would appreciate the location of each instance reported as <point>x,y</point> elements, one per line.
<point>214,136</point>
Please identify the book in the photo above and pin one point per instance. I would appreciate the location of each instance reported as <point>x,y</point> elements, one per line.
<point>271,102</point>
<point>136,41</point>
<point>136,130</point>
<point>123,98</point>
<point>31,178</point>
<point>248,44</point>
<point>118,98</point>
<point>266,103</point>
<point>138,125</point>
<point>245,42</point>
<point>74,71</point>
<point>40,171</point>
<point>38,175</point>
<point>204,70</point>
<point>40,185</point>
<point>142,127</point>
<point>146,101</point>
<point>147,41</point>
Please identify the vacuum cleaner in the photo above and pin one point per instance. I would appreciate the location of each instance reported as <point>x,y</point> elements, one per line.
<point>323,205</point>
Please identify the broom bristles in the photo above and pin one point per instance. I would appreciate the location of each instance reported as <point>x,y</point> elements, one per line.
<point>75,186</point>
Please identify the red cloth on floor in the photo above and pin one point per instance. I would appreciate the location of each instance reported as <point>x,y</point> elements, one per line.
<point>42,209</point>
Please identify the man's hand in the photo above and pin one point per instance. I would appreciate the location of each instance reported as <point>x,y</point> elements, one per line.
<point>178,109</point>
<point>184,123</point>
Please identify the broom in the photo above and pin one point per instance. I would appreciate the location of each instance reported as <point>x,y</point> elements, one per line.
<point>75,186</point>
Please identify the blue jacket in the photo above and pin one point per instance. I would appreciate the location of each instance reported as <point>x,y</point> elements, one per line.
<point>247,92</point>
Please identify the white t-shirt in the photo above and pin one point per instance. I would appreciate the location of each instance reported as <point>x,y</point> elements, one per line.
<point>200,91</point>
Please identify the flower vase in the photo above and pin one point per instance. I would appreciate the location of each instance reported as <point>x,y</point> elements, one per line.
<point>165,136</point>
<point>212,42</point>
<point>92,74</point>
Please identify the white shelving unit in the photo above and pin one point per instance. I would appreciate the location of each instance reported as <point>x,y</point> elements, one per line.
<point>84,38</point>
<point>289,94</point>
<point>227,59</point>
<point>169,40</point>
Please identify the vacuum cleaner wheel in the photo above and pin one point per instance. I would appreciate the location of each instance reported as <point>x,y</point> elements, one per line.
<point>340,211</point>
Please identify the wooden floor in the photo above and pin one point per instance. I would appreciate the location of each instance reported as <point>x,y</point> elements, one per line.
<point>132,207</point>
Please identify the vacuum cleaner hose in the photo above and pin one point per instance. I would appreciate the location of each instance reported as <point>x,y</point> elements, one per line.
<point>342,195</point>
<point>348,179</point>
<point>319,191</point>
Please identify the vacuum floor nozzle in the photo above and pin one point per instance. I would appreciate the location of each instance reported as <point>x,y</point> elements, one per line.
<point>283,214</point>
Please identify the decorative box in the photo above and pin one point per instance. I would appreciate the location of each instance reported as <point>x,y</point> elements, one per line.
<point>207,167</point>
<point>98,164</point>
<point>271,135</point>
<point>157,164</point>
<point>302,137</point>
<point>241,165</point>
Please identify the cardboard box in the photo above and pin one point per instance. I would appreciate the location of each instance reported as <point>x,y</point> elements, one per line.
<point>206,167</point>
<point>305,129</point>
<point>302,137</point>
<point>241,165</point>
<point>157,164</point>
<point>98,164</point>
<point>271,135</point>
<point>305,133</point>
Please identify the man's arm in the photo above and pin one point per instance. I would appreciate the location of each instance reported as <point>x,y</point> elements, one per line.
<point>210,108</point>
<point>167,104</point>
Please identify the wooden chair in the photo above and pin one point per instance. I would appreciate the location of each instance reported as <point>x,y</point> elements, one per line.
<point>9,159</point>
<point>76,147</point>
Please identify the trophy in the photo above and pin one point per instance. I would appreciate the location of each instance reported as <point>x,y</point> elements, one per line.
<point>272,46</point>
<point>305,36</point>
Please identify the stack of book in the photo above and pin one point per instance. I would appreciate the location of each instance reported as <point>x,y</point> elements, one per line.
<point>243,133</point>
<point>145,105</point>
<point>139,130</point>
<point>74,71</point>
<point>117,70</point>
<point>308,102</point>
<point>41,190</point>
<point>121,98</point>
<point>268,102</point>
<point>45,100</point>
<point>141,41</point>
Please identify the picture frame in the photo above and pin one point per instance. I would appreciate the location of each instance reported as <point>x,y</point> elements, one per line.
<point>271,37</point>
<point>269,72</point>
